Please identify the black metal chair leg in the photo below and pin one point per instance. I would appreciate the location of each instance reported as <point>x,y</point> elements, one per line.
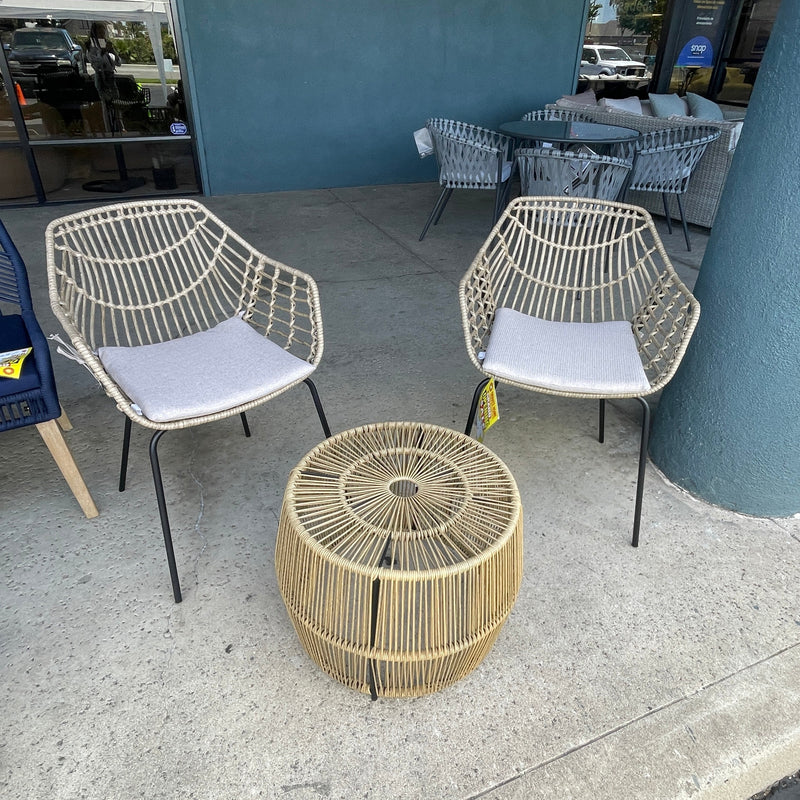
<point>438,207</point>
<point>318,405</point>
<point>666,211</point>
<point>162,511</point>
<point>499,205</point>
<point>637,513</point>
<point>126,443</point>
<point>501,199</point>
<point>447,195</point>
<point>245,424</point>
<point>601,433</point>
<point>474,406</point>
<point>683,222</point>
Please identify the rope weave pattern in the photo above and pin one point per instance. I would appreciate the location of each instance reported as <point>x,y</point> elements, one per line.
<point>469,157</point>
<point>665,159</point>
<point>563,114</point>
<point>399,552</point>
<point>548,171</point>
<point>144,272</point>
<point>581,260</point>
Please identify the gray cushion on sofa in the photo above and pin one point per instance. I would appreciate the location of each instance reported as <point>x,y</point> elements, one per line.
<point>667,105</point>
<point>702,108</point>
<point>204,373</point>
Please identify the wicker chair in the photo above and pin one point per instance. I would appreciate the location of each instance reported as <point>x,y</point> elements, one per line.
<point>30,398</point>
<point>156,296</point>
<point>664,161</point>
<point>469,157</point>
<point>547,171</point>
<point>577,298</point>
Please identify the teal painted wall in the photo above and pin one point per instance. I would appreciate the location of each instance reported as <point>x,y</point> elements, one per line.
<point>313,93</point>
<point>728,426</point>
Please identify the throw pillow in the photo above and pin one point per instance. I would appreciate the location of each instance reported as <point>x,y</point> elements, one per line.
<point>586,98</point>
<point>630,104</point>
<point>667,105</point>
<point>702,108</point>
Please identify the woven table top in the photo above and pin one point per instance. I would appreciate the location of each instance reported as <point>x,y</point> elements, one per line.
<point>403,496</point>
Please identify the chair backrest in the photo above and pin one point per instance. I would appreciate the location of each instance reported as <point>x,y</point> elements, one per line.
<point>563,114</point>
<point>14,287</point>
<point>32,398</point>
<point>154,270</point>
<point>579,260</point>
<point>551,172</point>
<point>469,157</point>
<point>665,159</point>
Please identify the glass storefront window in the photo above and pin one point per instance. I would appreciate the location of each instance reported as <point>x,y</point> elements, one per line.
<point>92,82</point>
<point>95,79</point>
<point>620,45</point>
<point>710,47</point>
<point>16,183</point>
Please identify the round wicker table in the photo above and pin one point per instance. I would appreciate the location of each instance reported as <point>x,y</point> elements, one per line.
<point>399,555</point>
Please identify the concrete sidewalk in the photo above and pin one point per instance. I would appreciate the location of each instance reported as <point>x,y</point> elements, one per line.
<point>667,671</point>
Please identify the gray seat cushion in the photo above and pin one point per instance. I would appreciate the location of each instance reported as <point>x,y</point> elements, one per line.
<point>584,357</point>
<point>203,373</point>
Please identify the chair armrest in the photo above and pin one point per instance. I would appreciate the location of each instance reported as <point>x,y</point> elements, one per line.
<point>41,352</point>
<point>663,326</point>
<point>478,306</point>
<point>284,303</point>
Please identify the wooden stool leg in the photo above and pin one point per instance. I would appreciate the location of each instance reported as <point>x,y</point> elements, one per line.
<point>58,448</point>
<point>64,422</point>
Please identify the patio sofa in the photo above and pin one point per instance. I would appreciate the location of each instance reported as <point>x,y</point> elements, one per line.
<point>702,198</point>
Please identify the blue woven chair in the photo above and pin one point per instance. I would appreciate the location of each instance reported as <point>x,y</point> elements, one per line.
<point>31,398</point>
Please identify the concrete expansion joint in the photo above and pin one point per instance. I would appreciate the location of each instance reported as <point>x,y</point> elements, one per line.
<point>401,243</point>
<point>623,726</point>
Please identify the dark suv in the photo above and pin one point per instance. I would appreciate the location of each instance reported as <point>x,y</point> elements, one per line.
<point>34,51</point>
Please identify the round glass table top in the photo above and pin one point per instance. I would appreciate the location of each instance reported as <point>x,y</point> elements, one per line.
<point>556,130</point>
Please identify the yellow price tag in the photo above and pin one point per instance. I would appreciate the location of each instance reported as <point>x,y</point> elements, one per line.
<point>488,410</point>
<point>11,362</point>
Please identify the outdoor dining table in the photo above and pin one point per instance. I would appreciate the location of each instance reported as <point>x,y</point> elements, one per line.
<point>568,132</point>
<point>592,137</point>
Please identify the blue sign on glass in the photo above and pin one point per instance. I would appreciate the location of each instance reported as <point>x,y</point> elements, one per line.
<point>697,52</point>
<point>178,128</point>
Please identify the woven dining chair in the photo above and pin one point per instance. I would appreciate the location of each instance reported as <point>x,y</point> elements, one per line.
<point>664,160</point>
<point>577,298</point>
<point>563,114</point>
<point>180,320</point>
<point>30,398</point>
<point>469,157</point>
<point>550,172</point>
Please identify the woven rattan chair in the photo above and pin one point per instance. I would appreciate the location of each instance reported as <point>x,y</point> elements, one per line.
<point>664,161</point>
<point>577,298</point>
<point>180,320</point>
<point>469,157</point>
<point>30,398</point>
<point>550,172</point>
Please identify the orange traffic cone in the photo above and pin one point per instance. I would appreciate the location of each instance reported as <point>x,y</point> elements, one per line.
<point>20,95</point>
